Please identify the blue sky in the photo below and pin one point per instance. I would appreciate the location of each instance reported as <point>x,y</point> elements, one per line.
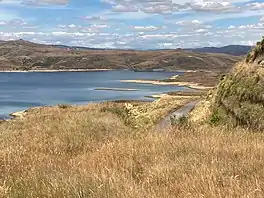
<point>133,24</point>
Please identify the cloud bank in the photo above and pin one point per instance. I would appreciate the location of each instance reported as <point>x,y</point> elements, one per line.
<point>133,24</point>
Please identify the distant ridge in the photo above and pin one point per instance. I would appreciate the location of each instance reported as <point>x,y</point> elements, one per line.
<point>25,55</point>
<point>235,50</point>
<point>77,47</point>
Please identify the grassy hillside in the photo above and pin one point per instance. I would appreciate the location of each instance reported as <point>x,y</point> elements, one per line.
<point>239,97</point>
<point>23,55</point>
<point>104,150</point>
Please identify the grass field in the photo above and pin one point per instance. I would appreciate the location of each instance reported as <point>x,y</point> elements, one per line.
<point>104,150</point>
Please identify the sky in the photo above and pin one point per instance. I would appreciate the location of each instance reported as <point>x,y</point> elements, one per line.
<point>133,24</point>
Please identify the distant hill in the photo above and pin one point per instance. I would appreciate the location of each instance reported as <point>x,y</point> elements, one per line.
<point>236,50</point>
<point>76,47</point>
<point>25,55</point>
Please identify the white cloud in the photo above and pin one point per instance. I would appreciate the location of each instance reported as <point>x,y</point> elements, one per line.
<point>143,24</point>
<point>100,26</point>
<point>124,8</point>
<point>231,27</point>
<point>201,30</point>
<point>72,26</point>
<point>194,25</point>
<point>35,2</point>
<point>142,40</point>
<point>213,6</point>
<point>255,6</point>
<point>171,6</point>
<point>16,23</point>
<point>190,23</point>
<point>145,28</point>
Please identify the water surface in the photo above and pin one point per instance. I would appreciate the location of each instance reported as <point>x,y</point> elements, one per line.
<point>20,91</point>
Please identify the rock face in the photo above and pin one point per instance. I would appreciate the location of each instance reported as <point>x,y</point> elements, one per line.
<point>239,97</point>
<point>24,55</point>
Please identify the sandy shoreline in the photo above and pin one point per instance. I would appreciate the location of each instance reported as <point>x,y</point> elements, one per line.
<point>114,89</point>
<point>159,96</point>
<point>55,70</point>
<point>156,82</point>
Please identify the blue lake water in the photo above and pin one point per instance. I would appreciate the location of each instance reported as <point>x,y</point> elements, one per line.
<point>20,91</point>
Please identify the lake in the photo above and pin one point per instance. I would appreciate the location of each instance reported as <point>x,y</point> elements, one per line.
<point>20,91</point>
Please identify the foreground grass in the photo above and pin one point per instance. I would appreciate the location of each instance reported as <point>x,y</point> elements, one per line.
<point>91,152</point>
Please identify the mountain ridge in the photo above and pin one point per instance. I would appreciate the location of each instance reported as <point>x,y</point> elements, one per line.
<point>25,55</point>
<point>236,50</point>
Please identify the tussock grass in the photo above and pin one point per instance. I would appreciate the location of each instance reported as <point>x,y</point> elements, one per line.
<point>88,152</point>
<point>239,96</point>
<point>142,115</point>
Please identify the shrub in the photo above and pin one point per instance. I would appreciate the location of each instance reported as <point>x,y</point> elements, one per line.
<point>181,121</point>
<point>64,106</point>
<point>215,118</point>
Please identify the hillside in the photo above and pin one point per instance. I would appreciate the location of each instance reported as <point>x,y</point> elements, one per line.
<point>97,151</point>
<point>239,97</point>
<point>236,50</point>
<point>24,55</point>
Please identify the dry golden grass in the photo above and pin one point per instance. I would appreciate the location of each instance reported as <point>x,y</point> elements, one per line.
<point>89,152</point>
<point>147,115</point>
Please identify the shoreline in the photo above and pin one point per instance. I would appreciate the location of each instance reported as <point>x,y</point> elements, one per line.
<point>181,84</point>
<point>22,114</point>
<point>159,96</point>
<point>115,89</point>
<point>89,70</point>
<point>55,70</point>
